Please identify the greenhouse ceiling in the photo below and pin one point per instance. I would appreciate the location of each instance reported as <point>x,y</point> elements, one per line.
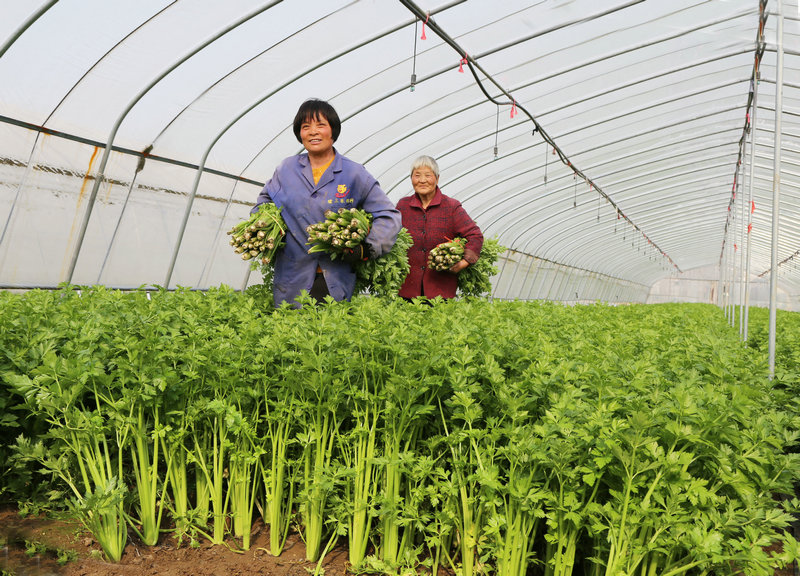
<point>627,141</point>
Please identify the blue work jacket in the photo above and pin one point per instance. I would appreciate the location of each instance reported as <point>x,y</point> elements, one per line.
<point>344,184</point>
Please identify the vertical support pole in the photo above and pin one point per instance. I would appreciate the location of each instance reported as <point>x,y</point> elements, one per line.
<point>742,236</point>
<point>525,278</point>
<point>502,271</point>
<point>750,184</point>
<point>535,277</point>
<point>776,189</point>
<point>555,272</point>
<point>726,282</point>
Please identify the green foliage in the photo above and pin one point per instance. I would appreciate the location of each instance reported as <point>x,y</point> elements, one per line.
<point>474,280</point>
<point>383,276</point>
<point>508,437</point>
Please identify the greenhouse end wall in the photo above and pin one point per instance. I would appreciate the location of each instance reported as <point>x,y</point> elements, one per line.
<point>704,285</point>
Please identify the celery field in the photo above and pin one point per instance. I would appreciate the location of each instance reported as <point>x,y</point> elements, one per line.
<point>472,437</point>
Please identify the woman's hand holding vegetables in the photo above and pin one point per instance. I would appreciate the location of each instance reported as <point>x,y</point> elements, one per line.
<point>448,256</point>
<point>356,254</point>
<point>459,266</point>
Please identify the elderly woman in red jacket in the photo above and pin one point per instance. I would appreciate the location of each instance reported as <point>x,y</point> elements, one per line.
<point>432,218</point>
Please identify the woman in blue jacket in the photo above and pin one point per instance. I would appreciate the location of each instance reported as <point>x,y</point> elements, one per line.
<point>305,187</point>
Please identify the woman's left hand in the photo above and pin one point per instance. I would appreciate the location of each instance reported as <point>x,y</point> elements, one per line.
<point>459,266</point>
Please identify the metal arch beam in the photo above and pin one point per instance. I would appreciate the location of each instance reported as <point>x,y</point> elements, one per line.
<point>439,72</point>
<point>507,197</point>
<point>25,25</point>
<point>103,57</point>
<point>370,104</point>
<point>606,92</point>
<point>586,237</point>
<point>301,75</point>
<point>586,213</point>
<point>110,140</point>
<point>537,167</point>
<point>566,187</point>
<point>557,109</point>
<point>527,215</point>
<point>236,119</point>
<point>618,264</point>
<point>606,57</point>
<point>615,264</point>
<point>618,273</point>
<point>331,59</point>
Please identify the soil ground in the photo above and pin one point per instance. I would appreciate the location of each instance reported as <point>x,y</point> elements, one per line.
<point>33,546</point>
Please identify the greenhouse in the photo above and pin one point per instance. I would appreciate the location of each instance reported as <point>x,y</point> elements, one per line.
<point>620,151</point>
<point>617,395</point>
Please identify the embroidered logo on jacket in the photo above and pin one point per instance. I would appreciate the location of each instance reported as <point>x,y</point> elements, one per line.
<point>342,191</point>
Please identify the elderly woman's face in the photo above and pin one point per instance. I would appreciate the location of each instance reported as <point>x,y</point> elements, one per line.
<point>316,135</point>
<point>424,181</point>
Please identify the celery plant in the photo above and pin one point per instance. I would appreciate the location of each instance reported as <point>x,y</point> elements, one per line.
<point>358,452</point>
<point>243,460</point>
<point>85,436</point>
<point>318,443</point>
<point>319,392</point>
<point>276,475</point>
<point>211,443</point>
<point>146,475</point>
<point>473,471</point>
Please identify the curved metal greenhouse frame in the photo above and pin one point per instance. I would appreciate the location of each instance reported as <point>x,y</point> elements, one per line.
<point>611,148</point>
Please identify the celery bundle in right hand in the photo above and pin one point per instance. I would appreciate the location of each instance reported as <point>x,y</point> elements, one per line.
<point>261,235</point>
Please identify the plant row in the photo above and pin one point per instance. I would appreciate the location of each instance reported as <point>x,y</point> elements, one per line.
<point>510,438</point>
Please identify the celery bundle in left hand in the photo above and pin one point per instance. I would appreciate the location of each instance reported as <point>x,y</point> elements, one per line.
<point>339,232</point>
<point>447,254</point>
<point>260,236</point>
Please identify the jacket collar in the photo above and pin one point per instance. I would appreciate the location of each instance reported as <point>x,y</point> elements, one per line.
<point>336,166</point>
<point>435,201</point>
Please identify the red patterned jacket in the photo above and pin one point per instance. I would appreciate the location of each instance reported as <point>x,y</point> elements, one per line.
<point>443,220</point>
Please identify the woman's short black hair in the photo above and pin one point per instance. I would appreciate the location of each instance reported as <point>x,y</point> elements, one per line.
<point>314,109</point>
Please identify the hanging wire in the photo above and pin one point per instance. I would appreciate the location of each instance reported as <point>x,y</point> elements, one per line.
<point>546,160</point>
<point>515,108</point>
<point>414,58</point>
<point>575,191</point>
<point>496,131</point>
<point>598,208</point>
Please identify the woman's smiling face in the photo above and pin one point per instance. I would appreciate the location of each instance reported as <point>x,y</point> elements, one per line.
<point>424,181</point>
<point>316,135</point>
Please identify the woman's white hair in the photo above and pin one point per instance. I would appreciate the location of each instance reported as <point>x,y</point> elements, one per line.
<point>425,162</point>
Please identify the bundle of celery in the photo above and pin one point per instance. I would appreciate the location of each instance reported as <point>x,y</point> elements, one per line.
<point>346,229</point>
<point>340,231</point>
<point>447,254</point>
<point>260,236</point>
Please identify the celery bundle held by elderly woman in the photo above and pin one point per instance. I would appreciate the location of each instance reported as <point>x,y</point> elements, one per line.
<point>433,218</point>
